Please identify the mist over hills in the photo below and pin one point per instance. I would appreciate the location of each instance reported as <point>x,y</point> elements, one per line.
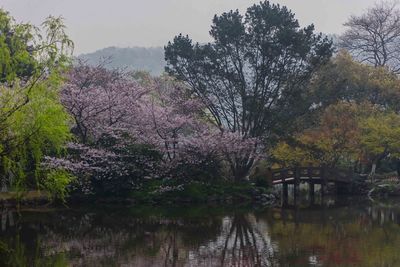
<point>149,59</point>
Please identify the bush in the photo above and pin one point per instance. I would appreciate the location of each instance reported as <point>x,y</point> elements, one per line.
<point>204,169</point>
<point>56,184</point>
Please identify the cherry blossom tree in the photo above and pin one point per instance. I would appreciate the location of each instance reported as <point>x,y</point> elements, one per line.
<point>101,101</point>
<point>126,131</point>
<point>175,122</point>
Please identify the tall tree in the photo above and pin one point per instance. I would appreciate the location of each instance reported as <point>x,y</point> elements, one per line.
<point>252,77</point>
<point>374,37</point>
<point>32,120</point>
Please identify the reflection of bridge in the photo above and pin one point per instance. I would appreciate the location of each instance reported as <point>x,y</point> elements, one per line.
<point>310,175</point>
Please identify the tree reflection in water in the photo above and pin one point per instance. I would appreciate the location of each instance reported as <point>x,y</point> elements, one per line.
<point>91,239</point>
<point>243,242</point>
<point>350,236</point>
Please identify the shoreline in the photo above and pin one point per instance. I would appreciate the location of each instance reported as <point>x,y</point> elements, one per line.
<point>256,197</point>
<point>211,195</point>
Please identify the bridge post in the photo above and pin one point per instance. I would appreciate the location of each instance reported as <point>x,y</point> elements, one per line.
<point>323,181</point>
<point>285,192</point>
<point>311,189</point>
<point>296,173</point>
<point>311,185</point>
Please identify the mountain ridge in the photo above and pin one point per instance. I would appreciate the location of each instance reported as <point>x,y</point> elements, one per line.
<point>150,59</point>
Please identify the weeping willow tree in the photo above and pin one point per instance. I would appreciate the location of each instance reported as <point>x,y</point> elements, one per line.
<point>33,123</point>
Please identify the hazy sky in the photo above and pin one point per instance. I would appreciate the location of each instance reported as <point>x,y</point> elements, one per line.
<point>94,24</point>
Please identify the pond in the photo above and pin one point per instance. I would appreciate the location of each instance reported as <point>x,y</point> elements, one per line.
<point>345,233</point>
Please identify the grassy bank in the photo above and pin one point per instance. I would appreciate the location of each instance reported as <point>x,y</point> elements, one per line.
<point>26,198</point>
<point>157,193</point>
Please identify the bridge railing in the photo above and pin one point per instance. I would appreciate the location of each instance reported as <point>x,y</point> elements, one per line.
<point>305,173</point>
<point>289,173</point>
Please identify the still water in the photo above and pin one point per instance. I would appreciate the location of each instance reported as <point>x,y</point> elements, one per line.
<point>346,233</point>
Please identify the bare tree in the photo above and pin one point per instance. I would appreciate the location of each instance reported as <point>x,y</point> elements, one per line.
<point>374,37</point>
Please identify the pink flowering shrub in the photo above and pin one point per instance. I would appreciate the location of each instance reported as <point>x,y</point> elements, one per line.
<point>114,170</point>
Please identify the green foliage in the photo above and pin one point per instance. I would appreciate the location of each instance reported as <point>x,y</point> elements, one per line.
<point>344,79</point>
<point>261,181</point>
<point>56,183</point>
<point>380,134</point>
<point>28,52</point>
<point>33,122</point>
<point>334,138</point>
<point>354,120</point>
<point>174,191</point>
<point>16,53</point>
<point>17,253</point>
<point>40,127</point>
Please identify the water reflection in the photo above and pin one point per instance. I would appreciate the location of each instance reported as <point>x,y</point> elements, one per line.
<point>360,234</point>
<point>7,216</point>
<point>243,241</point>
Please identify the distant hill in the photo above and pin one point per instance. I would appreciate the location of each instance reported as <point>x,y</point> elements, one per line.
<point>133,58</point>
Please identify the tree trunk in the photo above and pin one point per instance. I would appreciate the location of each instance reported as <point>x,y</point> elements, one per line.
<point>398,167</point>
<point>375,163</point>
<point>3,180</point>
<point>240,174</point>
<point>241,171</point>
<point>373,170</point>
